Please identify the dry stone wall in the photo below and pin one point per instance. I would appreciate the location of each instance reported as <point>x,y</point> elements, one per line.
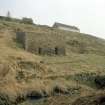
<point>42,43</point>
<point>21,38</point>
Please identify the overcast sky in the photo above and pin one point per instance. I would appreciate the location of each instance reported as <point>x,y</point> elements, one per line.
<point>88,15</point>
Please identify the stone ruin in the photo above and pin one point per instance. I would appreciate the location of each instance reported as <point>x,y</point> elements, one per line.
<point>42,43</point>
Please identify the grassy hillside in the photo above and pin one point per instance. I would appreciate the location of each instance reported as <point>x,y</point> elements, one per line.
<point>59,78</point>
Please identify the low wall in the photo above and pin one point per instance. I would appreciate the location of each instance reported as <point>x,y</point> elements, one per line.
<point>21,38</point>
<point>42,43</point>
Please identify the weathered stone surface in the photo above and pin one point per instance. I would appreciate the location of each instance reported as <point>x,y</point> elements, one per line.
<point>60,51</point>
<point>42,43</point>
<point>46,51</point>
<point>20,36</point>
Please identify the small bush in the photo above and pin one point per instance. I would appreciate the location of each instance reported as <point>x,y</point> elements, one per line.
<point>27,21</point>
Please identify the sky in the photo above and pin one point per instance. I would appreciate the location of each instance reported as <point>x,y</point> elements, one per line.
<point>88,15</point>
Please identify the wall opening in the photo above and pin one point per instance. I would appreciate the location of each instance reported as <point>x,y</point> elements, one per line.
<point>40,50</point>
<point>56,50</point>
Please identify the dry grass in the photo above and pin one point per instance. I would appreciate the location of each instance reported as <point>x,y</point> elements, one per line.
<point>21,72</point>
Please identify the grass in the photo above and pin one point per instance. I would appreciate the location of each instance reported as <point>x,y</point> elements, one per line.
<point>22,71</point>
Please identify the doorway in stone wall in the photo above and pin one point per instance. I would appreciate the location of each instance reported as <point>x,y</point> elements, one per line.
<point>40,50</point>
<point>56,50</point>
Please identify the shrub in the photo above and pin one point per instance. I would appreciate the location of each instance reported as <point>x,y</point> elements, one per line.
<point>27,20</point>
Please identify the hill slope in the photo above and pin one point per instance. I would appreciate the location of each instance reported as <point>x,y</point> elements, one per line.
<point>58,77</point>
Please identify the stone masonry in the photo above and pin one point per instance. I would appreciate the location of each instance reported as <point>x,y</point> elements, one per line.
<point>42,43</point>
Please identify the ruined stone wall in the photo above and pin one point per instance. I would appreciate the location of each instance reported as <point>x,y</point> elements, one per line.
<point>21,38</point>
<point>43,43</point>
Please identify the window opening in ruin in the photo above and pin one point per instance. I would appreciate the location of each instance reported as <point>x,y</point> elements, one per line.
<point>56,50</point>
<point>40,50</point>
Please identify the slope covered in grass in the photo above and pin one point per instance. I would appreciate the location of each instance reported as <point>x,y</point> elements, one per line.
<point>58,77</point>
